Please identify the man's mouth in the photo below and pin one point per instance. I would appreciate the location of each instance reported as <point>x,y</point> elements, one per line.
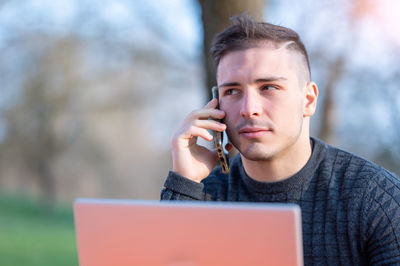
<point>254,132</point>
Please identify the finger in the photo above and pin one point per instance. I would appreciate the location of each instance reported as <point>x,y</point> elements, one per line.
<point>195,131</point>
<point>210,125</point>
<point>206,114</point>
<point>212,104</point>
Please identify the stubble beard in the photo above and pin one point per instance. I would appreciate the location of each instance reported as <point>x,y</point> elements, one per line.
<point>254,150</point>
<point>258,150</point>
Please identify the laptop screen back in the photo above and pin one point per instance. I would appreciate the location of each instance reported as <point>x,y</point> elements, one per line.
<point>129,232</point>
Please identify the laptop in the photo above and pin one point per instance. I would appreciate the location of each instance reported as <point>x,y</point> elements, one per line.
<point>176,233</point>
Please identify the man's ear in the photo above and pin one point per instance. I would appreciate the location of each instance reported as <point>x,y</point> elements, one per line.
<point>310,99</point>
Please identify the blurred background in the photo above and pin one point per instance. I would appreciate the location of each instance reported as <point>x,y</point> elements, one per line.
<point>91,92</point>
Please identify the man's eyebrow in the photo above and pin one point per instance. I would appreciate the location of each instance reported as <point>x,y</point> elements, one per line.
<point>229,84</point>
<point>260,80</point>
<point>270,79</point>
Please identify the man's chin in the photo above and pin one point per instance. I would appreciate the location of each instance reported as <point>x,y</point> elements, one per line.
<point>257,153</point>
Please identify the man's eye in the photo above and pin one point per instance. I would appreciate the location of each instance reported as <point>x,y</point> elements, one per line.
<point>231,92</point>
<point>268,88</point>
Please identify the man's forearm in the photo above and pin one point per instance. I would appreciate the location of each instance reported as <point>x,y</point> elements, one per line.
<point>177,187</point>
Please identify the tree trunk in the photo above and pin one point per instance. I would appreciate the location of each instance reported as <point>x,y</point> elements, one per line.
<point>327,126</point>
<point>47,183</point>
<point>215,16</point>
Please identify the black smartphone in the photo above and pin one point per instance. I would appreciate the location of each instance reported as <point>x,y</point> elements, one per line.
<point>218,139</point>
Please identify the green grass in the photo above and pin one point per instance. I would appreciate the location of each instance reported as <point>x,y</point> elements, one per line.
<point>31,236</point>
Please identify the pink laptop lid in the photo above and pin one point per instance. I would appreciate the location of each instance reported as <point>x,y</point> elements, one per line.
<point>129,232</point>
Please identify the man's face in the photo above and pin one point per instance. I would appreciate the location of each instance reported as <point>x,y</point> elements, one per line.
<point>263,98</point>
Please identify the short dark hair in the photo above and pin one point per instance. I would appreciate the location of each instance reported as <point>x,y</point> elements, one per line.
<point>246,33</point>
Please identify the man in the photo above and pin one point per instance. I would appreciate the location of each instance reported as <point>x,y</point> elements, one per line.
<point>350,206</point>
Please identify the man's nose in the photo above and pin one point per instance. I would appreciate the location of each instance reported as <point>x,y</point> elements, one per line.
<point>251,104</point>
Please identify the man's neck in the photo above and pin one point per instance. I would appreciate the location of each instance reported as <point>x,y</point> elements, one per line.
<point>281,166</point>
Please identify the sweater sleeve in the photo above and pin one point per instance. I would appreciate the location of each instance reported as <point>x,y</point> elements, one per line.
<point>177,187</point>
<point>381,216</point>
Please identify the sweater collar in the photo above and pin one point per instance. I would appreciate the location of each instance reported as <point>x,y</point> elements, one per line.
<point>295,182</point>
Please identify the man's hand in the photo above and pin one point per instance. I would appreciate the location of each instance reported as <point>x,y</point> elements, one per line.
<point>190,159</point>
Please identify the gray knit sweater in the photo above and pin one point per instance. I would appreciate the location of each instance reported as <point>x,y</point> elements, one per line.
<point>350,206</point>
